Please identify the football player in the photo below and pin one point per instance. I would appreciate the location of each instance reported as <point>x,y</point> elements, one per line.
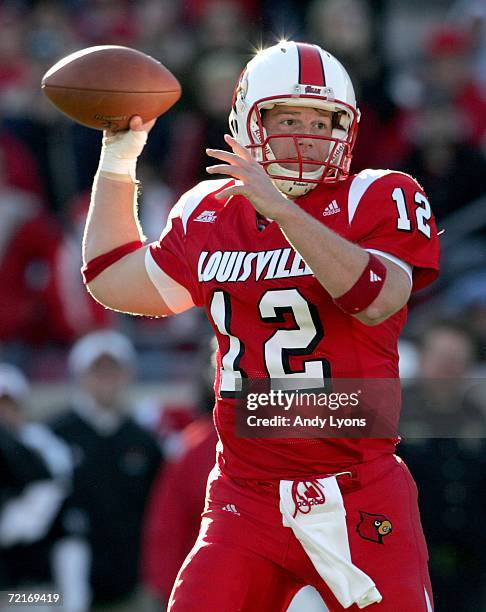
<point>304,272</point>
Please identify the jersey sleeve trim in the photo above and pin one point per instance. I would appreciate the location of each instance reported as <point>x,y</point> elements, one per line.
<point>406,267</point>
<point>190,200</point>
<point>360,184</point>
<point>174,295</point>
<point>423,272</point>
<point>376,228</point>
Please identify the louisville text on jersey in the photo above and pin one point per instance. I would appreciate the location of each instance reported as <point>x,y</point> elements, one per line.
<point>238,266</point>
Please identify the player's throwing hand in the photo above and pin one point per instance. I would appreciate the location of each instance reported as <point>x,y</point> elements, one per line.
<point>257,185</point>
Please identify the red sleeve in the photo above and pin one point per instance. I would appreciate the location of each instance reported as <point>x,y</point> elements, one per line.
<point>394,215</point>
<point>170,254</point>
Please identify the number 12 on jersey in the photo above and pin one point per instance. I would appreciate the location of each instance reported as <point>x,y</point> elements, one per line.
<point>423,212</point>
<point>300,340</point>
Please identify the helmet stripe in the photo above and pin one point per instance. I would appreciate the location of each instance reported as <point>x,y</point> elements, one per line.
<point>311,70</point>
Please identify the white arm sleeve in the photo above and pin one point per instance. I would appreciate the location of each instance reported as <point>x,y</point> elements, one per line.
<point>399,262</point>
<point>174,295</point>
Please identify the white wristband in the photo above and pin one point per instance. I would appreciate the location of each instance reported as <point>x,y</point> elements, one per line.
<point>120,152</point>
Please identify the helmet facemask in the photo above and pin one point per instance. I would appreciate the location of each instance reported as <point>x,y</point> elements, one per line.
<point>303,174</point>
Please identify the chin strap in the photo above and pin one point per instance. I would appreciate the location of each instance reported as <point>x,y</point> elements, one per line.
<point>293,189</point>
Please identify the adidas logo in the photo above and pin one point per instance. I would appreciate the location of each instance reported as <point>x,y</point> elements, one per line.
<point>331,209</point>
<point>374,277</point>
<point>231,508</point>
<point>208,216</point>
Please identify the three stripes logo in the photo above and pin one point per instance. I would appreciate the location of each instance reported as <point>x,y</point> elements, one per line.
<point>331,209</point>
<point>374,278</point>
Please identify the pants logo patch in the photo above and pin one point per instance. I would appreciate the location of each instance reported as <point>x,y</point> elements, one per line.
<point>373,527</point>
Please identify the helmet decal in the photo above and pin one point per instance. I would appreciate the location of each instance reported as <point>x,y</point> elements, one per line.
<point>311,70</point>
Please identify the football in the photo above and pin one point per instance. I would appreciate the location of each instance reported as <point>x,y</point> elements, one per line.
<point>102,87</point>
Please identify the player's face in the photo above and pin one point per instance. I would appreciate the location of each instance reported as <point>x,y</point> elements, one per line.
<point>281,120</point>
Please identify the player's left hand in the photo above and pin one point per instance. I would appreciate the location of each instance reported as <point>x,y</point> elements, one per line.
<point>256,184</point>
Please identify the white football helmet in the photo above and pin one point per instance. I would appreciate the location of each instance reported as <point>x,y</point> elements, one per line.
<point>296,74</point>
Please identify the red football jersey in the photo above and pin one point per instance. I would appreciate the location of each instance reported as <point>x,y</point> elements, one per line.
<point>273,319</point>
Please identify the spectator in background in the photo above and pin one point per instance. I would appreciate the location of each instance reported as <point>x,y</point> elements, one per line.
<point>448,74</point>
<point>115,463</point>
<point>19,166</point>
<point>50,31</point>
<point>212,80</point>
<point>346,26</point>
<point>98,23</point>
<point>176,505</point>
<point>444,448</point>
<point>162,34</point>
<point>195,10</point>
<point>28,240</point>
<point>470,16</point>
<point>438,403</point>
<point>75,312</point>
<point>221,24</point>
<point>35,472</point>
<point>48,35</point>
<point>448,124</point>
<point>177,498</point>
<point>31,41</point>
<point>465,299</point>
<point>349,30</point>
<point>13,62</point>
<point>450,169</point>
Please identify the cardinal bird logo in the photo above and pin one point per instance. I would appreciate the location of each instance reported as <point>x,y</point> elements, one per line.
<point>373,527</point>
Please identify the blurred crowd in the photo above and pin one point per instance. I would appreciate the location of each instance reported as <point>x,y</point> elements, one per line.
<point>419,71</point>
